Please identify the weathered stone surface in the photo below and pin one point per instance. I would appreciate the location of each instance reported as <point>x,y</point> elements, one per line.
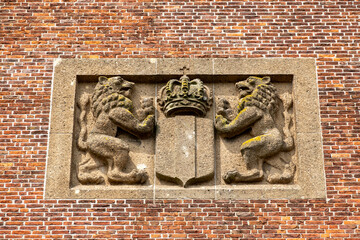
<point>111,192</point>
<point>310,165</point>
<point>193,192</point>
<point>171,66</point>
<point>258,191</point>
<point>97,67</point>
<point>72,77</point>
<point>264,66</point>
<point>59,171</point>
<point>205,149</point>
<point>185,97</point>
<point>112,111</point>
<point>256,112</point>
<point>185,150</point>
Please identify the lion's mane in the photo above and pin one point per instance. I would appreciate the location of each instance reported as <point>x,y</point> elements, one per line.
<point>264,97</point>
<point>105,98</point>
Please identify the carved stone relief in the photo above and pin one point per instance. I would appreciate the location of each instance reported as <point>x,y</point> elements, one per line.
<point>185,139</point>
<point>185,97</point>
<point>256,111</point>
<point>227,129</point>
<point>112,111</point>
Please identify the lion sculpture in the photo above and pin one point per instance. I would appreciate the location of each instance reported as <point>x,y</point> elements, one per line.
<point>112,111</point>
<point>256,111</point>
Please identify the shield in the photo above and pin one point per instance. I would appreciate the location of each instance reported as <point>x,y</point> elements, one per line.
<point>185,150</point>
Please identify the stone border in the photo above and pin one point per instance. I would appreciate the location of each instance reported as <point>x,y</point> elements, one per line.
<point>310,181</point>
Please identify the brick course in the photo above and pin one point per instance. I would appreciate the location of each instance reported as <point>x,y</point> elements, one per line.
<point>33,33</point>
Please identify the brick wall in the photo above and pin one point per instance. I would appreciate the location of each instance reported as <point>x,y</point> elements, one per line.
<point>33,33</point>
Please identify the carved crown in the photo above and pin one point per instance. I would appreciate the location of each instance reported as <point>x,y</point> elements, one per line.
<point>185,97</point>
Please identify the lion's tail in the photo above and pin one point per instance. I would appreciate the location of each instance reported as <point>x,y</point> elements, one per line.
<point>287,101</point>
<point>83,104</point>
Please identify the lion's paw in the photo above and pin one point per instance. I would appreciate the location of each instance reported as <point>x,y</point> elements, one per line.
<point>140,176</point>
<point>248,176</point>
<point>135,176</point>
<point>230,176</point>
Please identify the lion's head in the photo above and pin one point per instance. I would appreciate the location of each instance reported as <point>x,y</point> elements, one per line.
<point>259,92</point>
<point>111,93</point>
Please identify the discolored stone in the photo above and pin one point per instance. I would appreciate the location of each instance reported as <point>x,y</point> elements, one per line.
<point>112,111</point>
<point>73,77</point>
<point>256,111</point>
<point>185,97</point>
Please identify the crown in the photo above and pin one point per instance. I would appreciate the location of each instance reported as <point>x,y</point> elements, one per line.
<point>185,97</point>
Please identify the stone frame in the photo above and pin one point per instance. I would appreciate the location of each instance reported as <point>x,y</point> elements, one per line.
<point>310,169</point>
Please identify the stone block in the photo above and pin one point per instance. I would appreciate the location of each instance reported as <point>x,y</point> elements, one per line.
<point>185,149</point>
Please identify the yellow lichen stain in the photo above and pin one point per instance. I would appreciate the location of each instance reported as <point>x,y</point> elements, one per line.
<point>237,117</point>
<point>222,119</point>
<point>255,139</point>
<point>148,117</point>
<point>258,138</point>
<point>257,78</point>
<point>145,120</point>
<point>129,111</point>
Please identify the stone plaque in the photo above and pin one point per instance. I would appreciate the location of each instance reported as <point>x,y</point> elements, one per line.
<point>185,128</point>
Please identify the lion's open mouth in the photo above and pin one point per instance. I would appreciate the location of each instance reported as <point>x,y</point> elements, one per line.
<point>243,88</point>
<point>126,91</point>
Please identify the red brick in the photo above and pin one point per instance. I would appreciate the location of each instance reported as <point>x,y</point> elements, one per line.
<point>33,32</point>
